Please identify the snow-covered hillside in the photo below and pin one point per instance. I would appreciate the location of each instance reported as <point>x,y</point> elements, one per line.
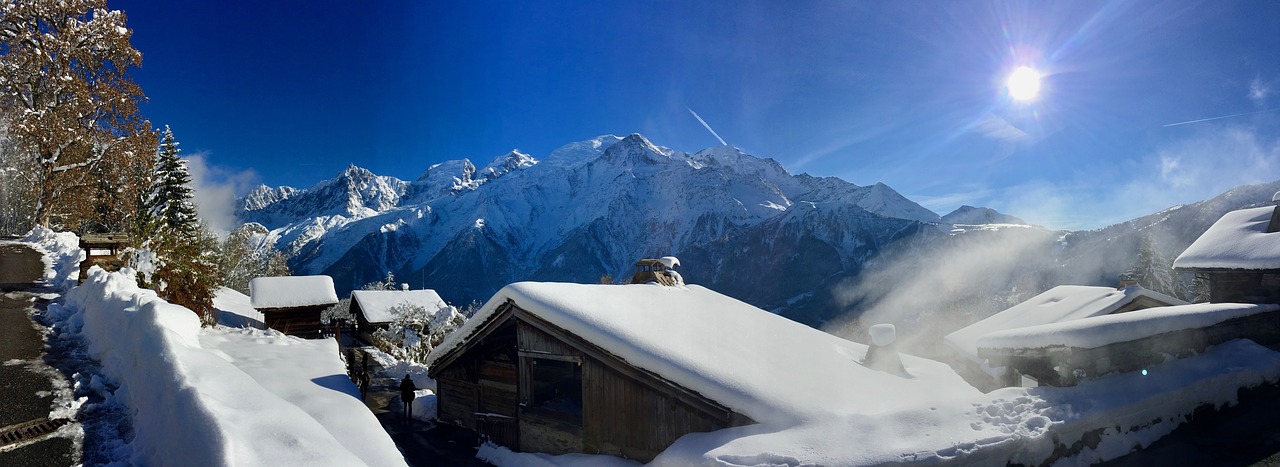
<point>969,215</point>
<point>587,209</point>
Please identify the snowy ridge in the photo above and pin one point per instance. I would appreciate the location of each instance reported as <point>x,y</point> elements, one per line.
<point>969,215</point>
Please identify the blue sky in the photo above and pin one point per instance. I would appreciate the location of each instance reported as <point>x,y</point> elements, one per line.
<point>907,93</point>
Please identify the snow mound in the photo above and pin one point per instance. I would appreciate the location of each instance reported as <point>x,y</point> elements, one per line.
<point>194,406</point>
<point>883,334</point>
<point>62,256</point>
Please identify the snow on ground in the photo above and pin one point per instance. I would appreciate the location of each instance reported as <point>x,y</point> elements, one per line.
<point>235,311</point>
<point>1098,331</point>
<point>1239,240</point>
<point>220,396</point>
<point>424,401</point>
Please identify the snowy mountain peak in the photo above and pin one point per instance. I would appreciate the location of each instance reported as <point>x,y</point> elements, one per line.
<point>970,215</point>
<point>261,196</point>
<point>635,150</point>
<point>508,163</point>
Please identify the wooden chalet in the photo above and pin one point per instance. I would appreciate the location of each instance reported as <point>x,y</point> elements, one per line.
<point>530,385</point>
<point>375,309</point>
<point>292,304</point>
<point>625,370</point>
<point>1239,256</point>
<point>1060,304</point>
<point>102,250</point>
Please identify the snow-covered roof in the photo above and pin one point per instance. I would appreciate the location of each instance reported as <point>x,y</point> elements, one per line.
<point>291,291</point>
<point>1060,304</point>
<point>1099,331</point>
<point>377,304</point>
<point>757,363</point>
<point>1239,240</point>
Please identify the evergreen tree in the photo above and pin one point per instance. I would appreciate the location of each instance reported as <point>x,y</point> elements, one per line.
<point>179,254</point>
<point>171,195</point>
<point>1151,270</point>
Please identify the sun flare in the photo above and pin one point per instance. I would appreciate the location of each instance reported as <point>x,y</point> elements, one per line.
<point>1024,83</point>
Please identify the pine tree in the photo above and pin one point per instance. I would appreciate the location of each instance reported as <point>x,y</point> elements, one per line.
<point>182,253</point>
<point>171,195</point>
<point>1151,270</point>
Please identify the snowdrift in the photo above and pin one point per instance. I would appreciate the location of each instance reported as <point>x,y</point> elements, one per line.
<point>193,406</point>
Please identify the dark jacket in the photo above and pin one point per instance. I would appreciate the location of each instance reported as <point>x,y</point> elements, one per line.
<point>406,389</point>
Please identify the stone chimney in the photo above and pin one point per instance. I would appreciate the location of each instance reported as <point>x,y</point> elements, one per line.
<point>661,271</point>
<point>1274,225</point>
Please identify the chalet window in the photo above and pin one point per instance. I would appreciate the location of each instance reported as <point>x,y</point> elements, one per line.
<point>555,388</point>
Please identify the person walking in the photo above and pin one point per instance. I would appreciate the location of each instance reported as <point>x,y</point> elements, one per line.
<point>363,377</point>
<point>407,394</point>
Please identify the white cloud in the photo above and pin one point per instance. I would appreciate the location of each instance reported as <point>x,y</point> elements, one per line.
<point>216,189</point>
<point>1259,90</point>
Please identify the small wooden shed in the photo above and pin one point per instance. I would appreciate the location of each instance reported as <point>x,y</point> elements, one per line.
<point>1239,256</point>
<point>626,370</point>
<point>102,250</point>
<point>375,309</point>
<point>292,304</point>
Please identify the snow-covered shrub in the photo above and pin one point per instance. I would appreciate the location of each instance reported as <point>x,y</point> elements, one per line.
<point>416,330</point>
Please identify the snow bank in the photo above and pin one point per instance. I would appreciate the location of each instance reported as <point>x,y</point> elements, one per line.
<point>191,405</point>
<point>1239,240</point>
<point>1060,304</point>
<point>377,304</point>
<point>309,375</point>
<point>757,363</point>
<point>62,256</point>
<point>235,310</point>
<point>1099,331</point>
<point>292,291</point>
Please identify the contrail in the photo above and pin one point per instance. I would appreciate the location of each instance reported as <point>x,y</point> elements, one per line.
<point>1219,118</point>
<point>708,127</point>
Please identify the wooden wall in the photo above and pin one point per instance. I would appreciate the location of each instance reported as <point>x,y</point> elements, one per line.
<point>298,321</point>
<point>623,417</point>
<point>626,411</point>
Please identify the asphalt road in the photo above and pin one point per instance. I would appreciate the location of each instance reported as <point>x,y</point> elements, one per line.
<point>26,387</point>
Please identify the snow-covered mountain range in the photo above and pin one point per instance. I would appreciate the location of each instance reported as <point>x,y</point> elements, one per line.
<point>818,250</point>
<point>739,223</point>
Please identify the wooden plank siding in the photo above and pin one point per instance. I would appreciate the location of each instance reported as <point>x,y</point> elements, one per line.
<point>624,418</point>
<point>303,321</point>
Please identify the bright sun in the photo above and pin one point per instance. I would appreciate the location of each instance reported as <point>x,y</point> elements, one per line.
<point>1024,83</point>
